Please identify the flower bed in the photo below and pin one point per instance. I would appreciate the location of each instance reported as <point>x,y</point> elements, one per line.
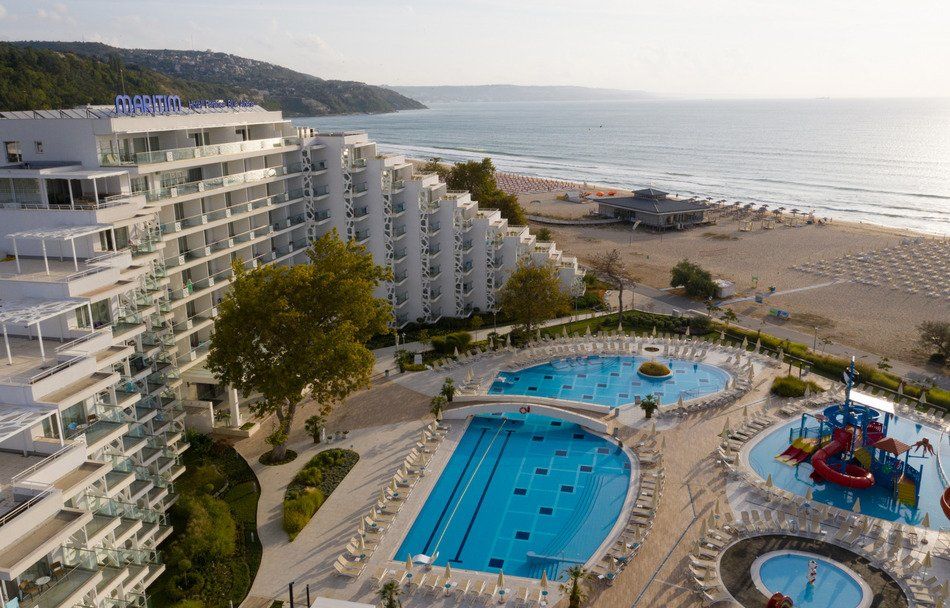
<point>654,369</point>
<point>312,486</point>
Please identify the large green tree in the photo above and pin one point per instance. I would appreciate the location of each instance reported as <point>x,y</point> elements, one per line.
<point>478,178</point>
<point>697,281</point>
<point>533,294</point>
<point>287,331</point>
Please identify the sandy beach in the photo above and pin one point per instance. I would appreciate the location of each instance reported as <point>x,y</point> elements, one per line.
<point>877,319</point>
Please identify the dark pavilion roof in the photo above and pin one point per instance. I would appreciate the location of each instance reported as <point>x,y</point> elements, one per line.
<point>651,205</point>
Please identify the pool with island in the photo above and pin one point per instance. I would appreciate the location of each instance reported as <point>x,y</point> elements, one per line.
<point>524,494</point>
<point>611,381</point>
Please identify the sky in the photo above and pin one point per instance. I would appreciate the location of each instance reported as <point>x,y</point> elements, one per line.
<point>683,48</point>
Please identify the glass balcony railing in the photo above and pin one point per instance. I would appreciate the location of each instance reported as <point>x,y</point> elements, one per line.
<point>112,159</point>
<point>230,212</point>
<point>216,183</point>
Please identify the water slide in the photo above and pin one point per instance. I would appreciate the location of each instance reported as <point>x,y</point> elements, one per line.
<point>945,502</point>
<point>853,475</point>
<point>798,452</point>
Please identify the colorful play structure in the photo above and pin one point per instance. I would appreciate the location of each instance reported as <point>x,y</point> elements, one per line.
<point>850,447</point>
<point>779,600</point>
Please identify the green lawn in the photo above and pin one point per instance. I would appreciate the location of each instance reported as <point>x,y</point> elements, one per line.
<point>220,471</point>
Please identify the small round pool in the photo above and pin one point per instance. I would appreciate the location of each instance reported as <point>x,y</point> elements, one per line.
<point>836,585</point>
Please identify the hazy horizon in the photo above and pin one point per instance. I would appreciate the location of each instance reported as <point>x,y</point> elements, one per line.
<point>685,49</point>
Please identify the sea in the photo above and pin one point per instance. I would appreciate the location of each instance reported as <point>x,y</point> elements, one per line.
<point>879,161</point>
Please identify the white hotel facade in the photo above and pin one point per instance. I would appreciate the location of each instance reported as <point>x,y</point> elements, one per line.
<point>118,233</point>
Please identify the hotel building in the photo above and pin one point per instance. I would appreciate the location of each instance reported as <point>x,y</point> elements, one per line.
<point>119,232</point>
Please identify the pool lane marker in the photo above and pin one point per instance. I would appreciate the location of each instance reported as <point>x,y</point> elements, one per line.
<point>455,488</point>
<point>468,485</point>
<point>481,498</point>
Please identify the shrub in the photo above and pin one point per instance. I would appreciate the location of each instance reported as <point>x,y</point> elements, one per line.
<point>185,584</point>
<point>205,478</point>
<point>654,368</point>
<point>210,529</point>
<point>447,343</point>
<point>697,281</point>
<point>191,603</point>
<point>312,484</point>
<point>790,386</point>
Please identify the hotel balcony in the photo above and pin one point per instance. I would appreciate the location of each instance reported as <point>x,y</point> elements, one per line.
<point>360,213</point>
<point>467,246</point>
<point>68,590</point>
<point>400,255</point>
<point>362,237</point>
<point>400,278</point>
<point>434,272</point>
<point>318,167</point>
<point>399,209</point>
<point>198,188</point>
<point>322,217</point>
<point>401,300</point>
<point>219,217</point>
<point>356,164</point>
<point>358,190</point>
<point>318,193</point>
<point>434,228</point>
<point>399,232</point>
<point>111,159</point>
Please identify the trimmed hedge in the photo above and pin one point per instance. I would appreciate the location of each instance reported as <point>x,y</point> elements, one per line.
<point>654,368</point>
<point>447,344</point>
<point>790,386</point>
<point>312,485</point>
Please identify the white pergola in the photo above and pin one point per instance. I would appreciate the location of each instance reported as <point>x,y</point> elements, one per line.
<point>61,235</point>
<point>15,418</point>
<point>67,173</point>
<point>31,312</point>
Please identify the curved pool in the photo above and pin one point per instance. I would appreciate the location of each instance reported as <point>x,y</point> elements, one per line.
<point>786,572</point>
<point>611,381</point>
<point>524,494</point>
<point>876,501</point>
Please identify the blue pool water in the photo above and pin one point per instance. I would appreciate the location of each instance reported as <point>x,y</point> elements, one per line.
<point>833,588</point>
<point>523,494</point>
<point>611,381</point>
<point>877,500</point>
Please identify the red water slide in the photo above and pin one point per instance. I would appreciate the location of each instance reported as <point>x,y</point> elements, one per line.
<point>945,502</point>
<point>853,475</point>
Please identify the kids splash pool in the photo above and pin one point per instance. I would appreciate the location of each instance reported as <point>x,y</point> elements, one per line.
<point>611,381</point>
<point>889,453</point>
<point>523,494</point>
<point>787,572</point>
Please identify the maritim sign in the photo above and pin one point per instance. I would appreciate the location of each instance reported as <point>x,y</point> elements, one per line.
<point>129,105</point>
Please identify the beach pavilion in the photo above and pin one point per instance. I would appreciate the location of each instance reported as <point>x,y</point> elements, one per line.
<point>654,209</point>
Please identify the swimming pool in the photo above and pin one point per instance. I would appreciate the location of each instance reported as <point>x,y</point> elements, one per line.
<point>786,572</point>
<point>610,381</point>
<point>524,494</point>
<point>876,501</point>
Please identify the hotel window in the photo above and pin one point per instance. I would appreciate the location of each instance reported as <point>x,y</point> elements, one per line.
<point>38,145</point>
<point>139,184</point>
<point>201,139</point>
<point>242,133</point>
<point>14,152</point>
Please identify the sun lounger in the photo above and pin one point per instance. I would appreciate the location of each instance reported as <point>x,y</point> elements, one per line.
<point>350,572</point>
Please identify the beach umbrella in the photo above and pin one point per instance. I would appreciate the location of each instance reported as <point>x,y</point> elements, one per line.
<point>654,331</point>
<point>807,391</point>
<point>508,340</point>
<point>662,443</point>
<point>751,372</point>
<point>722,335</point>
<point>620,325</point>
<point>455,352</point>
<point>928,561</point>
<point>745,410</point>
<point>448,571</point>
<point>409,563</point>
<point>679,401</point>
<point>687,330</point>
<point>438,415</point>
<point>564,331</point>
<point>944,591</point>
<point>809,495</point>
<point>923,397</point>
<point>857,505</point>
<point>382,495</point>
<point>653,428</point>
<point>925,522</point>
<point>717,506</point>
<point>711,520</point>
<point>745,342</point>
<point>393,486</point>
<point>537,335</point>
<point>360,543</point>
<point>768,481</point>
<point>544,582</point>
<point>491,342</point>
<point>362,528</point>
<point>501,579</point>
<point>470,375</point>
<point>758,344</point>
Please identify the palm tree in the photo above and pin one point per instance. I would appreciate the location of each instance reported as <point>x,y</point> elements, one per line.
<point>437,405</point>
<point>389,595</point>
<point>649,404</point>
<point>576,594</point>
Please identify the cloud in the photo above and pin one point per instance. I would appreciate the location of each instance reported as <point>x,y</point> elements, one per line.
<point>3,11</point>
<point>57,13</point>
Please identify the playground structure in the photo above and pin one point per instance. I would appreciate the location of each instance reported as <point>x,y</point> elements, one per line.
<point>849,447</point>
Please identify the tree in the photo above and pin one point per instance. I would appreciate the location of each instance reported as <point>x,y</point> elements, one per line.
<point>435,165</point>
<point>544,234</point>
<point>448,389</point>
<point>729,316</point>
<point>533,294</point>
<point>210,531</point>
<point>283,330</point>
<point>884,364</point>
<point>314,425</point>
<point>649,404</point>
<point>478,178</point>
<point>610,268</point>
<point>437,404</point>
<point>389,594</point>
<point>935,337</point>
<point>697,281</point>
<point>576,595</point>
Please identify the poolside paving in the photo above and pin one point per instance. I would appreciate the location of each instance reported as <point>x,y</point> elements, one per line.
<point>658,576</point>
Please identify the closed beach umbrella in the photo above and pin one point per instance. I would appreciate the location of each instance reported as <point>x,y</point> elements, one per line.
<point>925,522</point>
<point>409,563</point>
<point>857,505</point>
<point>944,591</point>
<point>768,481</point>
<point>662,442</point>
<point>687,330</point>
<point>587,333</point>
<point>620,325</point>
<point>758,343</point>
<point>654,331</point>
<point>508,340</point>
<point>564,331</point>
<point>448,571</point>
<point>362,528</point>
<point>928,561</point>
<point>544,580</point>
<point>653,428</point>
<point>745,342</point>
<point>722,335</point>
<point>360,543</point>
<point>501,579</point>
<point>809,495</point>
<point>679,401</point>
<point>455,352</point>
<point>751,373</point>
<point>923,397</point>
<point>745,410</point>
<point>382,495</point>
<point>438,415</point>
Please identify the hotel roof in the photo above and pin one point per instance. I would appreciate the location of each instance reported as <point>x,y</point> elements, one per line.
<point>104,111</point>
<point>651,205</point>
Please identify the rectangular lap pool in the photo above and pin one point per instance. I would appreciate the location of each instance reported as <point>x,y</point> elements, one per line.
<point>524,494</point>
